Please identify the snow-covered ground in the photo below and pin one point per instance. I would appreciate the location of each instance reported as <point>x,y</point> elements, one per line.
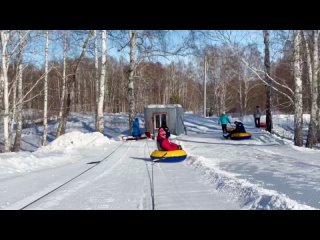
<point>88,170</point>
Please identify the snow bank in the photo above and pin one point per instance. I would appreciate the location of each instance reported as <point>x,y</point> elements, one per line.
<point>250,195</point>
<point>76,140</point>
<point>27,162</point>
<point>62,150</point>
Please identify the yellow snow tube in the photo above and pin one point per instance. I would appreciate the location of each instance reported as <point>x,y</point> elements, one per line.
<point>169,156</point>
<point>230,129</point>
<point>240,136</point>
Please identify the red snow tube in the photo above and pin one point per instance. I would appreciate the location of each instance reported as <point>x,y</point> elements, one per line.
<point>263,124</point>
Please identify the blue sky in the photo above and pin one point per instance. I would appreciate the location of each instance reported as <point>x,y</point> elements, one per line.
<point>35,50</point>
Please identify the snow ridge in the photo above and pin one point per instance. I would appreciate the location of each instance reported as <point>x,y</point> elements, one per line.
<point>251,196</point>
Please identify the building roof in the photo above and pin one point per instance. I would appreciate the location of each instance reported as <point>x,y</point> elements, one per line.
<point>163,106</point>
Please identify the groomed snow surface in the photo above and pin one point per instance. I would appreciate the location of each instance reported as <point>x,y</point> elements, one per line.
<point>83,169</point>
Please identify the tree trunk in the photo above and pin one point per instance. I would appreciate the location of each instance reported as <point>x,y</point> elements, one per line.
<point>268,80</point>
<point>298,119</point>
<point>45,100</point>
<point>17,141</point>
<point>205,88</point>
<point>311,138</point>
<point>100,120</point>
<point>12,120</point>
<point>132,36</point>
<point>5,40</point>
<point>63,94</point>
<point>96,66</point>
<point>71,84</point>
<point>223,87</point>
<point>240,92</point>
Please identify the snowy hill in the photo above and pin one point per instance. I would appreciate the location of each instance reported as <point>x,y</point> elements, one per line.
<point>265,172</point>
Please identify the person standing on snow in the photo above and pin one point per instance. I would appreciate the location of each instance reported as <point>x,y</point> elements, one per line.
<point>136,128</point>
<point>257,115</point>
<point>224,120</point>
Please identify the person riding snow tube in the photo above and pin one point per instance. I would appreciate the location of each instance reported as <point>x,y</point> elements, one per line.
<point>167,150</point>
<point>239,132</point>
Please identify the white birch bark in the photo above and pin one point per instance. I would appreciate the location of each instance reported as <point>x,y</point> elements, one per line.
<point>100,119</point>
<point>268,80</point>
<point>63,94</point>
<point>45,90</point>
<point>132,36</point>
<point>17,141</point>
<point>71,82</point>
<point>311,138</point>
<point>298,120</point>
<point>96,66</point>
<point>13,108</point>
<point>4,41</point>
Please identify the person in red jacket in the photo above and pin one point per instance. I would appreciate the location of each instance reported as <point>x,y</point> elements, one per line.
<point>164,144</point>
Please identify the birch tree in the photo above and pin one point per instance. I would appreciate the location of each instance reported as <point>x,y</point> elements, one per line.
<point>145,44</point>
<point>45,90</point>
<point>132,37</point>
<point>313,75</point>
<point>4,42</point>
<point>71,83</point>
<point>17,141</point>
<point>231,41</point>
<point>96,66</point>
<point>298,119</point>
<point>100,119</point>
<point>268,80</point>
<point>63,94</point>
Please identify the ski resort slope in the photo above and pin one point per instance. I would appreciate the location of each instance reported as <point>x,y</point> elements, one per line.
<point>264,172</point>
<point>119,177</point>
<point>88,170</point>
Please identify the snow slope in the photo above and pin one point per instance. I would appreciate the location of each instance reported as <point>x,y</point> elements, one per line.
<point>265,172</point>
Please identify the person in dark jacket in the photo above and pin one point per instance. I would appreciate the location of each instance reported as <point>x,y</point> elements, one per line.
<point>256,116</point>
<point>164,144</point>
<point>239,129</point>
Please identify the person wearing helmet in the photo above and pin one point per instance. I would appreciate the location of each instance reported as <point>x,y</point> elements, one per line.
<point>164,144</point>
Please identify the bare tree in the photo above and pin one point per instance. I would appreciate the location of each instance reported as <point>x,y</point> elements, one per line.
<point>71,84</point>
<point>132,37</point>
<point>268,80</point>
<point>96,67</point>
<point>311,138</point>
<point>100,119</point>
<point>17,141</point>
<point>4,41</point>
<point>63,93</point>
<point>298,119</point>
<point>45,90</point>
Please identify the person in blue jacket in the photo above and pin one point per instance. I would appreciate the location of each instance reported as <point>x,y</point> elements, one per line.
<point>224,120</point>
<point>136,128</point>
